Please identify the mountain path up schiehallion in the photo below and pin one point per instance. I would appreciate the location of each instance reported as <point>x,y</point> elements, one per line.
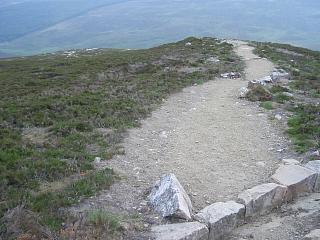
<point>216,144</point>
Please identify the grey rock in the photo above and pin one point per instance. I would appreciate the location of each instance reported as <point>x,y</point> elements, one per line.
<point>221,218</point>
<point>278,117</point>
<point>315,153</point>
<point>262,198</point>
<point>313,235</point>
<point>231,75</point>
<point>212,60</point>
<point>261,81</point>
<point>242,92</point>
<point>279,74</point>
<point>315,166</point>
<point>181,231</point>
<point>169,199</point>
<point>298,179</point>
<point>290,161</point>
<point>288,94</point>
<point>253,83</point>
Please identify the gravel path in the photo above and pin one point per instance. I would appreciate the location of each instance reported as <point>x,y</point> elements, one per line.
<point>216,144</point>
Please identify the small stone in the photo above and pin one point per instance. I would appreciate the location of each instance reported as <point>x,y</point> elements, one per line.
<point>278,117</point>
<point>315,154</point>
<point>181,231</point>
<point>97,160</point>
<point>242,92</point>
<point>288,94</point>
<point>290,161</point>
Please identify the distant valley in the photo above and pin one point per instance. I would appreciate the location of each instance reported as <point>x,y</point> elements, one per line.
<point>36,26</point>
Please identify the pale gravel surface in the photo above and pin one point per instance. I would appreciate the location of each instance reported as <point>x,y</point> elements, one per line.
<point>216,145</point>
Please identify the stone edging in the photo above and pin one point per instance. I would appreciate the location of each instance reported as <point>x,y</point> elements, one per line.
<point>219,219</point>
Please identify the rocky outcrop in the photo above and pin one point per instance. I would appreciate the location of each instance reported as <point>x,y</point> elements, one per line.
<point>169,199</point>
<point>181,231</point>
<point>262,198</point>
<point>221,218</point>
<point>298,179</point>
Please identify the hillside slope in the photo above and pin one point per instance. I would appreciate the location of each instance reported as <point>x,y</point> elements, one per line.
<point>68,118</point>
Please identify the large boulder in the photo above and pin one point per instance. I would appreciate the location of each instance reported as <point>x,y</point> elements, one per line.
<point>221,218</point>
<point>181,231</point>
<point>298,179</point>
<point>262,198</point>
<point>169,199</point>
<point>315,166</point>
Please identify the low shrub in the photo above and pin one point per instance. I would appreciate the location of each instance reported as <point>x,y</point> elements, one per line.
<point>258,93</point>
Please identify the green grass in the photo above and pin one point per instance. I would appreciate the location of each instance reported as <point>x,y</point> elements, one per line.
<point>278,89</point>
<point>304,127</point>
<point>281,97</point>
<point>83,104</point>
<point>267,105</point>
<point>104,220</point>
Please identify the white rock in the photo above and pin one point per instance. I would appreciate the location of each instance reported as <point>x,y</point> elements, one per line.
<point>97,160</point>
<point>290,161</point>
<point>242,92</point>
<point>188,44</point>
<point>315,166</point>
<point>181,231</point>
<point>313,235</point>
<point>288,94</point>
<point>315,154</point>
<point>168,198</point>
<point>262,198</point>
<point>278,117</point>
<point>298,179</point>
<point>212,60</point>
<point>221,218</point>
